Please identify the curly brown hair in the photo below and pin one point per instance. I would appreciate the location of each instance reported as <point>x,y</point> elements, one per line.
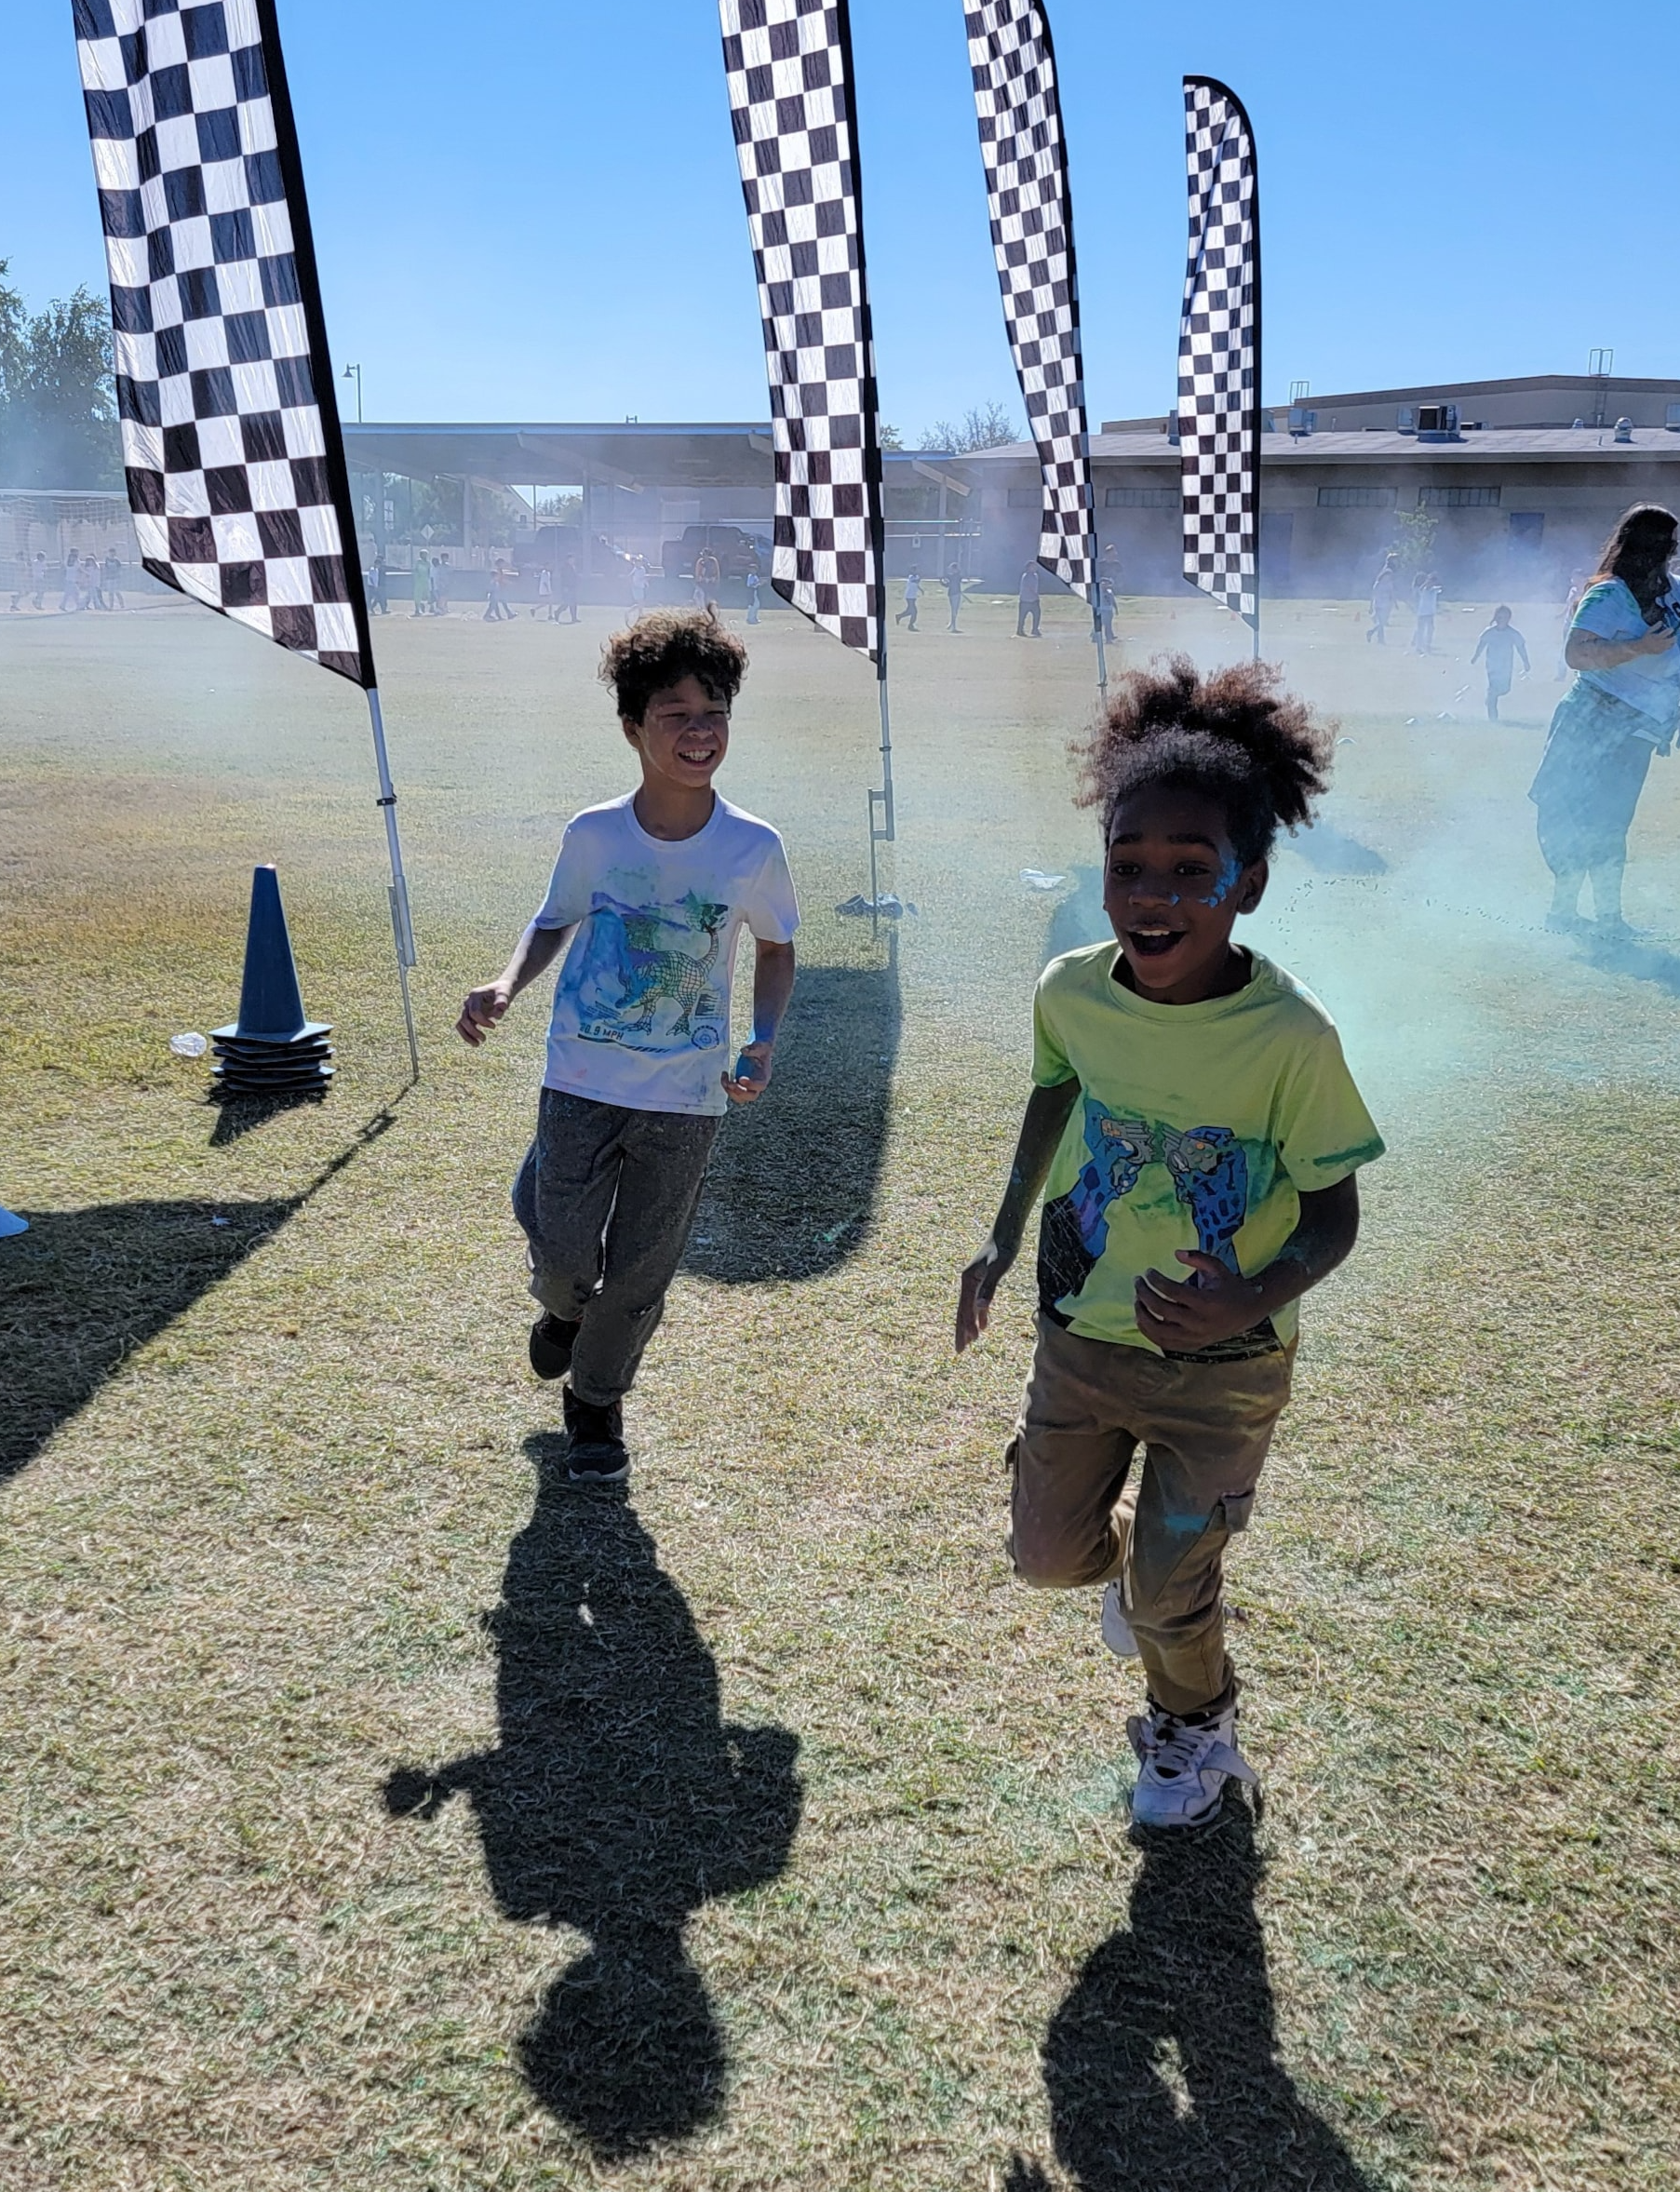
<point>664,646</point>
<point>1231,736</point>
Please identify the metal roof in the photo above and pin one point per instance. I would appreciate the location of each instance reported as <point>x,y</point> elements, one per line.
<point>1478,446</point>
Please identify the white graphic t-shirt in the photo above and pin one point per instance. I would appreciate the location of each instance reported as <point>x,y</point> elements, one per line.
<point>641,1006</point>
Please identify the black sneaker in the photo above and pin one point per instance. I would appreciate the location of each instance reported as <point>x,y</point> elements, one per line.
<point>552,1340</point>
<point>595,1441</point>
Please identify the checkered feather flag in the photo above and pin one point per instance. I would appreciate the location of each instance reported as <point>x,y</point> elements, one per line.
<point>236,469</point>
<point>789,68</point>
<point>1020,116</point>
<point>1219,351</point>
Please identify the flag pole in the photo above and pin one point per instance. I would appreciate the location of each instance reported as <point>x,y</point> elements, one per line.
<point>1256,413</point>
<point>1096,633</point>
<point>402,925</point>
<point>886,833</point>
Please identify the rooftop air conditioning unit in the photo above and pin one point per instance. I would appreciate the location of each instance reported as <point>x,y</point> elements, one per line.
<point>1437,422</point>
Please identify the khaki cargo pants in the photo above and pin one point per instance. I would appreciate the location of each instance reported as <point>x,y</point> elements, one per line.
<point>1083,1515</point>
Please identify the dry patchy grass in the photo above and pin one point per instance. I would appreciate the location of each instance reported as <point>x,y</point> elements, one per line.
<point>381,1809</point>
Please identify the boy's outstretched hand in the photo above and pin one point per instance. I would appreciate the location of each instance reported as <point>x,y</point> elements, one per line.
<point>1186,1314</point>
<point>980,1282</point>
<point>483,1008</point>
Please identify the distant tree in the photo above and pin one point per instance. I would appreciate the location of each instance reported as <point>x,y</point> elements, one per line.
<point>984,427</point>
<point>58,407</point>
<point>1414,538</point>
<point>890,437</point>
<point>14,320</point>
<point>567,509</point>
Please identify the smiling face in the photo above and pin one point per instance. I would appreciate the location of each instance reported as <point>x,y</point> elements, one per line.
<point>1173,888</point>
<point>683,736</point>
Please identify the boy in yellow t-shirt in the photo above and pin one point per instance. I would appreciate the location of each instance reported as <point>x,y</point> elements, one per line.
<point>1191,1108</point>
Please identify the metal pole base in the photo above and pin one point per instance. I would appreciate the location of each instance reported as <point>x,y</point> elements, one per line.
<point>407,1015</point>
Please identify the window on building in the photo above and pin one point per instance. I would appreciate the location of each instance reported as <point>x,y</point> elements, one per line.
<point>1526,527</point>
<point>1457,498</point>
<point>1140,498</point>
<point>1356,498</point>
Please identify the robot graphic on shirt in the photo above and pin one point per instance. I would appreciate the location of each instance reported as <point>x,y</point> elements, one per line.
<point>1120,1149</point>
<point>1210,1175</point>
<point>1209,1168</point>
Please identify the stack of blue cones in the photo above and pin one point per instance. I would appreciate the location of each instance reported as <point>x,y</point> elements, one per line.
<point>271,1049</point>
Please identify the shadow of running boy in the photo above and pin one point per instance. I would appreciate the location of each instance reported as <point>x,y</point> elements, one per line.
<point>617,1801</point>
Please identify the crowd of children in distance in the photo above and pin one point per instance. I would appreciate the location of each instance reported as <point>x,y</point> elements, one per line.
<point>86,582</point>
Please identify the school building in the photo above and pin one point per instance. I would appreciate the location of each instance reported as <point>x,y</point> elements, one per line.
<point>647,489</point>
<point>1513,484</point>
<point>1507,486</point>
<point>1521,479</point>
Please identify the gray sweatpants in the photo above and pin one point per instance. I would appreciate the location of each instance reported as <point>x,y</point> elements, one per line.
<point>606,1197</point>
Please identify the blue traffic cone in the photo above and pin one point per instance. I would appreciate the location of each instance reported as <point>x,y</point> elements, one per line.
<point>272,1048</point>
<point>11,1223</point>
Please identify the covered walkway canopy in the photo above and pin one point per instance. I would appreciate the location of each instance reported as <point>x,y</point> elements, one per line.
<point>643,485</point>
<point>629,455</point>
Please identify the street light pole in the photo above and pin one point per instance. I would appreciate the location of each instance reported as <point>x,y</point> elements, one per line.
<point>354,373</point>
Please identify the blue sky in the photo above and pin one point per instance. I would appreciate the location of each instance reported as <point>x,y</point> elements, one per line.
<point>528,208</point>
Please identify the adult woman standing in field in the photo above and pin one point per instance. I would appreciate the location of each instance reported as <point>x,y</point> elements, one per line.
<point>1620,709</point>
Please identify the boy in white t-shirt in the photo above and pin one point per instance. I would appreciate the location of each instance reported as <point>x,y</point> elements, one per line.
<point>648,898</point>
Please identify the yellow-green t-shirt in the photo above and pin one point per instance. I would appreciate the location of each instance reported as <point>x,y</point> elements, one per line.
<point>1199,1125</point>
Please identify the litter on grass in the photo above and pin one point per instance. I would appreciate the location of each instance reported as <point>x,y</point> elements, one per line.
<point>189,1047</point>
<point>1036,879</point>
<point>889,905</point>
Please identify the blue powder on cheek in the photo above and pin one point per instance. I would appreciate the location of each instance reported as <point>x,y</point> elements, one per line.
<point>1224,883</point>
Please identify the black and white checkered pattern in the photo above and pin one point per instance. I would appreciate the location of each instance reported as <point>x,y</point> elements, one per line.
<point>1021,144</point>
<point>1219,351</point>
<point>229,432</point>
<point>789,69</point>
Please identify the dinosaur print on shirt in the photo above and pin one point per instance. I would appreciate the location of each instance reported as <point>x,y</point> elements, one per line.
<point>648,976</point>
<point>641,1003</point>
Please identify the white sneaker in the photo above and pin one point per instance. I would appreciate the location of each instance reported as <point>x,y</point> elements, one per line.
<point>1182,1770</point>
<point>1117,1630</point>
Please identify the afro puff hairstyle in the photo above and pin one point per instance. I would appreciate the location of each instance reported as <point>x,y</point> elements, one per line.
<point>664,646</point>
<point>1231,736</point>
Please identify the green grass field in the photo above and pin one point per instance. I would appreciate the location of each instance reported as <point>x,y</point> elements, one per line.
<point>375,1809</point>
